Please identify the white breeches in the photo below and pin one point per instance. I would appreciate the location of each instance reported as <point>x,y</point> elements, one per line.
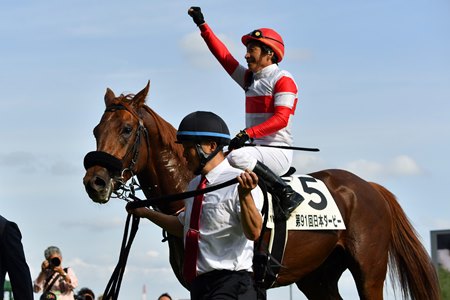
<point>277,160</point>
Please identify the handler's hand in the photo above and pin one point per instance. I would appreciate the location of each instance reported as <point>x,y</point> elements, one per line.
<point>140,212</point>
<point>196,14</point>
<point>248,180</point>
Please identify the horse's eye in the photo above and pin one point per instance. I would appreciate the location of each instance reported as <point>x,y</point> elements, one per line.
<point>127,130</point>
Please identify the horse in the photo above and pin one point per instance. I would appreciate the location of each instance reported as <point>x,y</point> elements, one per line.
<point>378,236</point>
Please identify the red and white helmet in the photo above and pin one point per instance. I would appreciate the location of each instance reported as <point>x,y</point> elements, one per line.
<point>268,37</point>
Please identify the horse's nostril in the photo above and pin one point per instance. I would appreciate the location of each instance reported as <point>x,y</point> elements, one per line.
<point>99,182</point>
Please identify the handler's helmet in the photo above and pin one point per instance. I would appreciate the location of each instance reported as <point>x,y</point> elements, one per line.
<point>268,37</point>
<point>203,126</point>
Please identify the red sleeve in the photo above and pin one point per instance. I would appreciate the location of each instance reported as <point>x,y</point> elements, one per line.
<point>285,84</point>
<point>278,121</point>
<point>218,49</point>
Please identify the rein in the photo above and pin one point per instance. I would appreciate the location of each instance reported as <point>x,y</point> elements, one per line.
<point>176,197</point>
<point>113,287</point>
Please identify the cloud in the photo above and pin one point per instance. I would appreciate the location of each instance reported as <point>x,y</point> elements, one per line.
<point>305,163</point>
<point>401,165</point>
<point>28,163</point>
<point>196,51</point>
<point>94,225</point>
<point>365,168</point>
<point>198,54</point>
<point>298,54</point>
<point>152,253</point>
<point>21,160</point>
<point>63,168</point>
<point>404,165</point>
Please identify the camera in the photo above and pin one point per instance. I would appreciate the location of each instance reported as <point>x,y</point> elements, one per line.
<point>84,297</point>
<point>54,262</point>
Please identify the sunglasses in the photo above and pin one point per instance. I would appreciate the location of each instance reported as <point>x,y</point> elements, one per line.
<point>259,35</point>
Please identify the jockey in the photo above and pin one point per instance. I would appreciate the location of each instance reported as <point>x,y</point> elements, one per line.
<point>270,102</point>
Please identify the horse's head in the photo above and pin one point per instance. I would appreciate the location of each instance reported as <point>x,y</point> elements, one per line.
<point>121,140</point>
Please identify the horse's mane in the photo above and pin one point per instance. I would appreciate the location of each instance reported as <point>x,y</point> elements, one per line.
<point>167,132</point>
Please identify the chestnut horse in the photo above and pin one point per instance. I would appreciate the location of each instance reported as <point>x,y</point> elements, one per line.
<point>378,232</point>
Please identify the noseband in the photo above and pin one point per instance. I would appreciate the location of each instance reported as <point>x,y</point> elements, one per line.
<point>113,164</point>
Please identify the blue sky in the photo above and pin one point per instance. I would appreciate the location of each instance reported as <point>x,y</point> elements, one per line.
<point>374,82</point>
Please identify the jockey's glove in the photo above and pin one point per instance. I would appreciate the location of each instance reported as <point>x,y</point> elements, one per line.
<point>196,13</point>
<point>239,140</point>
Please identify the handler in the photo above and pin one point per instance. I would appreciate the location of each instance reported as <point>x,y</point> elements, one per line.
<point>218,228</point>
<point>270,102</point>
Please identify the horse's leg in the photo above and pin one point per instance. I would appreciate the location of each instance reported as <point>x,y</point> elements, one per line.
<point>367,248</point>
<point>369,272</point>
<point>313,262</point>
<point>176,253</point>
<point>367,238</point>
<point>322,283</point>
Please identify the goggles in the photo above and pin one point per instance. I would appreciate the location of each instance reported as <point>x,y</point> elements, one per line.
<point>259,35</point>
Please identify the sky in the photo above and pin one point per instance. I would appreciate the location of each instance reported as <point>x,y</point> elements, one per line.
<point>374,80</point>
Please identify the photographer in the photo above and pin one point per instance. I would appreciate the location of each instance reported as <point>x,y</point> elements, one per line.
<point>54,281</point>
<point>85,294</point>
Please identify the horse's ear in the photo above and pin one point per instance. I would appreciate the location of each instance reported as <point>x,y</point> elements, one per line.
<point>139,98</point>
<point>109,96</point>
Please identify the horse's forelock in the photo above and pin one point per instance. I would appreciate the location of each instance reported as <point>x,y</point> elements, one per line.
<point>125,98</point>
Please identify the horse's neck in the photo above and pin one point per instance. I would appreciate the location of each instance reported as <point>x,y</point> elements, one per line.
<point>165,170</point>
<point>164,173</point>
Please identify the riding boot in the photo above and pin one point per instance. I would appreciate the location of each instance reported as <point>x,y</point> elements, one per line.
<point>288,198</point>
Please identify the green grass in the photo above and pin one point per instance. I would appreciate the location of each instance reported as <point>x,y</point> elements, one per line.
<point>444,282</point>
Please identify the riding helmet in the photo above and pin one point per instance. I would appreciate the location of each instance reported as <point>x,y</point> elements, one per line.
<point>203,126</point>
<point>268,37</point>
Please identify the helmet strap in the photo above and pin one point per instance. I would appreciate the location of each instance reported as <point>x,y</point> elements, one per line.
<point>204,157</point>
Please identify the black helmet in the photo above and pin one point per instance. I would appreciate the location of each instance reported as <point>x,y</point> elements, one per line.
<point>203,126</point>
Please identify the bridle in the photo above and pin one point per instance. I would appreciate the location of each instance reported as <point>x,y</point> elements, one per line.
<point>141,130</point>
<point>113,164</point>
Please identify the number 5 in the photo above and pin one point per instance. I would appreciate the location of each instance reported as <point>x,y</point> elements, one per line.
<point>310,190</point>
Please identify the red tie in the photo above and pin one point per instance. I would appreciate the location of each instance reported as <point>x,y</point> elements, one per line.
<point>192,236</point>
